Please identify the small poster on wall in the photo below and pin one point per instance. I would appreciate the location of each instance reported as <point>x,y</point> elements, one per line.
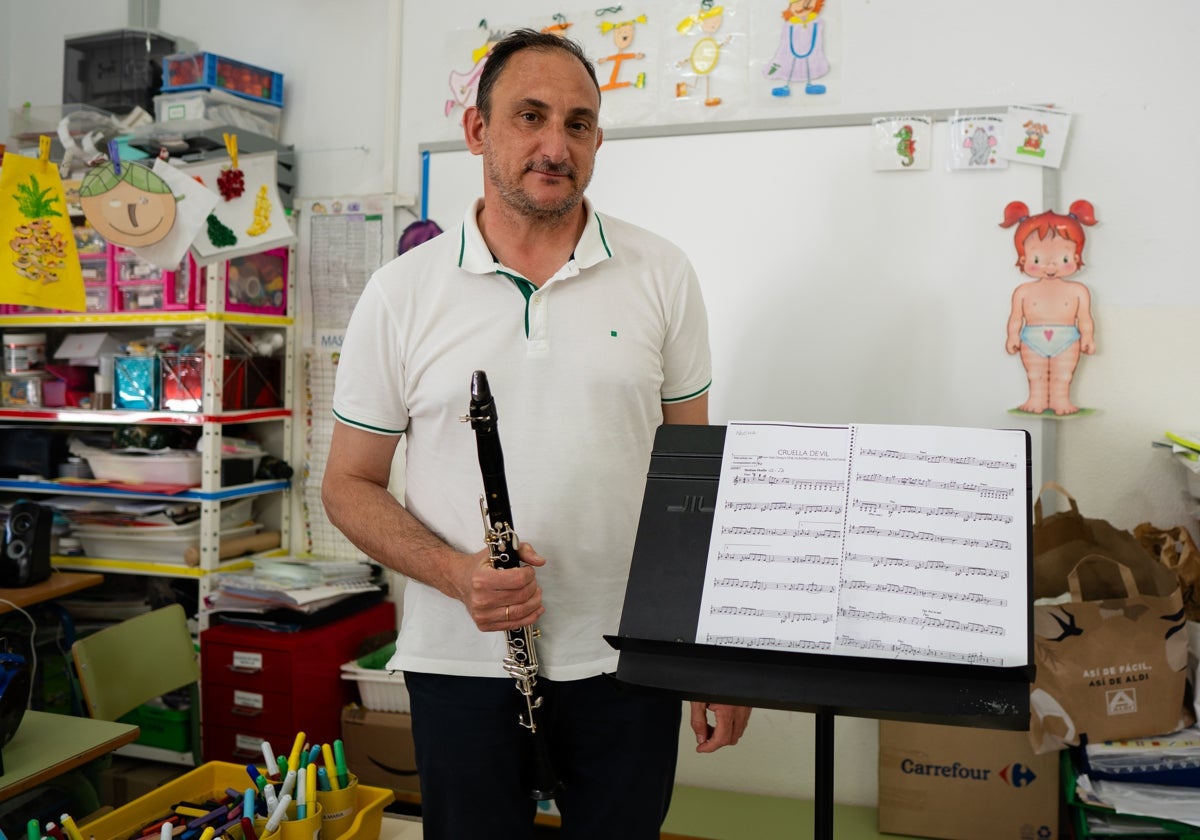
<point>901,143</point>
<point>1035,135</point>
<point>249,215</point>
<point>974,142</point>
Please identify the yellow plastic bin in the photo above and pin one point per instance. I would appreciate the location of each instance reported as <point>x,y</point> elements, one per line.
<point>209,781</point>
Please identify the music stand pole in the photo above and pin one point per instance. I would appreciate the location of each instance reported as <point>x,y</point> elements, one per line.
<point>823,783</point>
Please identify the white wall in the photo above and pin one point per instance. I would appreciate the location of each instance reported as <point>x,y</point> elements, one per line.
<point>1126,78</point>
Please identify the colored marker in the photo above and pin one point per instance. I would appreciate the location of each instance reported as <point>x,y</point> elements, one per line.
<point>281,763</point>
<point>294,757</point>
<point>248,800</point>
<point>33,830</point>
<point>339,755</point>
<point>302,793</point>
<point>256,777</point>
<point>269,757</point>
<point>54,831</point>
<point>313,754</point>
<point>167,830</point>
<point>311,789</point>
<point>289,782</point>
<point>323,780</point>
<point>69,826</point>
<point>269,795</point>
<point>208,833</point>
<point>248,829</point>
<point>278,814</point>
<point>330,767</point>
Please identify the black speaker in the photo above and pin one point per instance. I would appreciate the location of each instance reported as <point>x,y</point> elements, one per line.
<point>26,552</point>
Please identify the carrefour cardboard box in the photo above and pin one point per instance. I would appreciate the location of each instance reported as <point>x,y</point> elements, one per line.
<point>960,783</point>
<point>379,748</point>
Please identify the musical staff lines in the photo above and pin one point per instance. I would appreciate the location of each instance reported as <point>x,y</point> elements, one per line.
<point>919,592</point>
<point>931,621</point>
<point>985,491</point>
<point>892,508</point>
<point>790,507</point>
<point>769,642</point>
<point>912,651</point>
<point>773,585</point>
<point>957,569</point>
<point>782,616</point>
<point>955,460</point>
<point>762,531</point>
<point>828,485</point>
<point>927,536</point>
<point>764,557</point>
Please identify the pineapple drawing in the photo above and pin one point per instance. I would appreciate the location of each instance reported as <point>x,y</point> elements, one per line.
<point>262,213</point>
<point>38,249</point>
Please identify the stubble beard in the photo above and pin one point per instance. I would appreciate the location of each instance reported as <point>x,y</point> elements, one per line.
<point>520,200</point>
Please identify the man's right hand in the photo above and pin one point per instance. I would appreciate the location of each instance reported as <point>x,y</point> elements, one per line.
<point>502,599</point>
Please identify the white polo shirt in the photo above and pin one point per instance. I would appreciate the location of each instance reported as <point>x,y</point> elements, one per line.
<point>579,370</point>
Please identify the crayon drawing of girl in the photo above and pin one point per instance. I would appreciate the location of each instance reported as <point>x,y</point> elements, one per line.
<point>1051,319</point>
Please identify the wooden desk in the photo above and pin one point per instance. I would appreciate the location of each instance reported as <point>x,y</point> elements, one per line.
<point>57,585</point>
<point>47,745</point>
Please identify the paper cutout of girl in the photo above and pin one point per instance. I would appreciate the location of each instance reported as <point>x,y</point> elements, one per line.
<point>1051,319</point>
<point>622,34</point>
<point>801,53</point>
<point>464,87</point>
<point>705,53</point>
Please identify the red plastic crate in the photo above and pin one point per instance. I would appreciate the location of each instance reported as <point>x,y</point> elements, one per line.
<point>194,71</point>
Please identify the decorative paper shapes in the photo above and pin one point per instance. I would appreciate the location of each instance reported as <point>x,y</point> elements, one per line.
<point>39,261</point>
<point>252,221</point>
<point>127,203</point>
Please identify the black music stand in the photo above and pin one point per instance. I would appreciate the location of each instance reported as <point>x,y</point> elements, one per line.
<point>661,612</point>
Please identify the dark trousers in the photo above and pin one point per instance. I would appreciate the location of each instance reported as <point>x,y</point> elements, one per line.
<point>613,749</point>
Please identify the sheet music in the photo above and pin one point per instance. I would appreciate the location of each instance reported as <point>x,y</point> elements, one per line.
<point>873,540</point>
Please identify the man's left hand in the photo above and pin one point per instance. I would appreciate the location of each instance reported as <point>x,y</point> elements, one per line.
<point>730,724</point>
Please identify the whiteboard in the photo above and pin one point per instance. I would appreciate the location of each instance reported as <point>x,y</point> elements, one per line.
<point>836,293</point>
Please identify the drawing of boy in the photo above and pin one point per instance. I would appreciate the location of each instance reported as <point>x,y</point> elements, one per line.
<point>1051,319</point>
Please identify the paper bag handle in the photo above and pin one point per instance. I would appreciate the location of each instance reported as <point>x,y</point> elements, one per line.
<point>1037,505</point>
<point>1131,587</point>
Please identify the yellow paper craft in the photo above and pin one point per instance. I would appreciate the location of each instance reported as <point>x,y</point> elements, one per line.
<point>39,263</point>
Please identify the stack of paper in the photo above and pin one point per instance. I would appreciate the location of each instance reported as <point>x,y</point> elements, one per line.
<point>1186,448</point>
<point>303,585</point>
<point>1144,777</point>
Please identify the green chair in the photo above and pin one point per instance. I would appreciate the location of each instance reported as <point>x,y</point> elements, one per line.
<point>128,664</point>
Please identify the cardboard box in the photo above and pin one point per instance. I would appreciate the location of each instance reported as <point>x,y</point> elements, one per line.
<point>125,779</point>
<point>956,782</point>
<point>379,748</point>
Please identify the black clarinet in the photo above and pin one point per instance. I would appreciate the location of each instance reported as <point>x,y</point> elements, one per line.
<point>521,661</point>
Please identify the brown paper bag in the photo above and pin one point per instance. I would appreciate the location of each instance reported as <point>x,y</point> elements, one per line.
<point>1175,549</point>
<point>1111,662</point>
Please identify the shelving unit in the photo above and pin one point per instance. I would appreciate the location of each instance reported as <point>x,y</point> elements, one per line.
<point>271,426</point>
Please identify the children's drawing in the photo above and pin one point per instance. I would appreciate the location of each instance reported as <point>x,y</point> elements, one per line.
<point>902,142</point>
<point>253,221</point>
<point>622,36</point>
<point>974,141</point>
<point>127,203</point>
<point>464,86</point>
<point>559,27</point>
<point>39,260</point>
<point>193,203</point>
<point>1034,135</point>
<point>800,56</point>
<point>1051,319</point>
<point>705,52</point>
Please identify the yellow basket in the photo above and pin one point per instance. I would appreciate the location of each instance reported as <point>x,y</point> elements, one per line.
<point>209,781</point>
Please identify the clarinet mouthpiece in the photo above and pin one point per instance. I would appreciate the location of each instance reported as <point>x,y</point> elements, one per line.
<point>480,390</point>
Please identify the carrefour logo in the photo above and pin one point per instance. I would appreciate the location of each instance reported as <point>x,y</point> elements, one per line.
<point>956,770</point>
<point>1018,775</point>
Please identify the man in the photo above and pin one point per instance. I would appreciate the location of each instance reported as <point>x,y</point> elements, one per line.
<point>592,333</point>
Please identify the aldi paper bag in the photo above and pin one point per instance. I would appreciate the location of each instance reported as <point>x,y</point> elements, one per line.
<point>1111,659</point>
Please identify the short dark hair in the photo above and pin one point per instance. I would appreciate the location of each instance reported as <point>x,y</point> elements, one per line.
<point>513,43</point>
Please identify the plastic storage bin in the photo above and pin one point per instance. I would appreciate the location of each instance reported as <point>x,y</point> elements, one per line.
<point>209,782</point>
<point>168,466</point>
<point>250,382</point>
<point>163,727</point>
<point>218,108</point>
<point>193,71</point>
<point>380,690</point>
<point>257,282</point>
